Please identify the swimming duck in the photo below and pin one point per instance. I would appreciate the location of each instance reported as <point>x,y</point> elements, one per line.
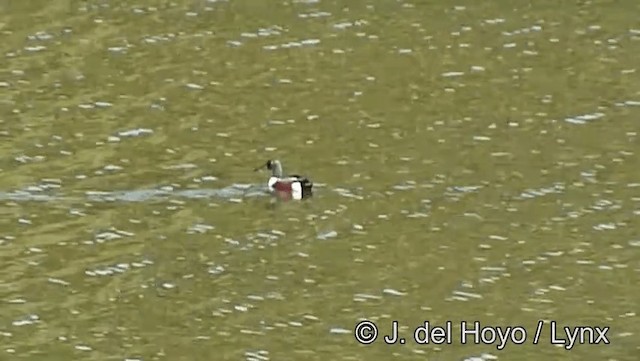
<point>290,187</point>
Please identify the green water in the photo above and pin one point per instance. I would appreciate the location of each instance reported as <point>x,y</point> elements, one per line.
<point>474,161</point>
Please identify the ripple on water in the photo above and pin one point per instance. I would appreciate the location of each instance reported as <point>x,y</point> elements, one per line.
<point>200,228</point>
<point>58,281</point>
<point>348,24</point>
<point>118,268</point>
<point>347,193</point>
<point>314,14</point>
<point>215,269</point>
<point>194,86</point>
<point>293,44</point>
<point>584,119</point>
<point>634,243</point>
<point>109,235</point>
<point>539,192</point>
<point>327,235</point>
<point>456,193</point>
<point>340,331</point>
<point>452,74</point>
<point>489,274</point>
<point>483,357</point>
<point>464,296</point>
<point>406,185</point>
<point>260,355</point>
<point>135,132</point>
<point>26,320</point>
<point>364,297</point>
<point>274,30</point>
<point>393,292</point>
<point>628,103</point>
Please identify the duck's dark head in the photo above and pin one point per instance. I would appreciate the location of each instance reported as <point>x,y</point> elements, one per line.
<point>270,164</point>
<point>274,166</point>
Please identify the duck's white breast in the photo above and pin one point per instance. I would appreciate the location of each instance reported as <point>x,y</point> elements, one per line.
<point>272,182</point>
<point>296,191</point>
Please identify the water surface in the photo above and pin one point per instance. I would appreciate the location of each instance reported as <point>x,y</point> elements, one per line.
<point>474,161</point>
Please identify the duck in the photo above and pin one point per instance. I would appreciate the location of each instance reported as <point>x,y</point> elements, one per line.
<point>293,186</point>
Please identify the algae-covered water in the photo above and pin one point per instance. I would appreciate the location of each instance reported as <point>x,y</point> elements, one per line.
<point>472,161</point>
